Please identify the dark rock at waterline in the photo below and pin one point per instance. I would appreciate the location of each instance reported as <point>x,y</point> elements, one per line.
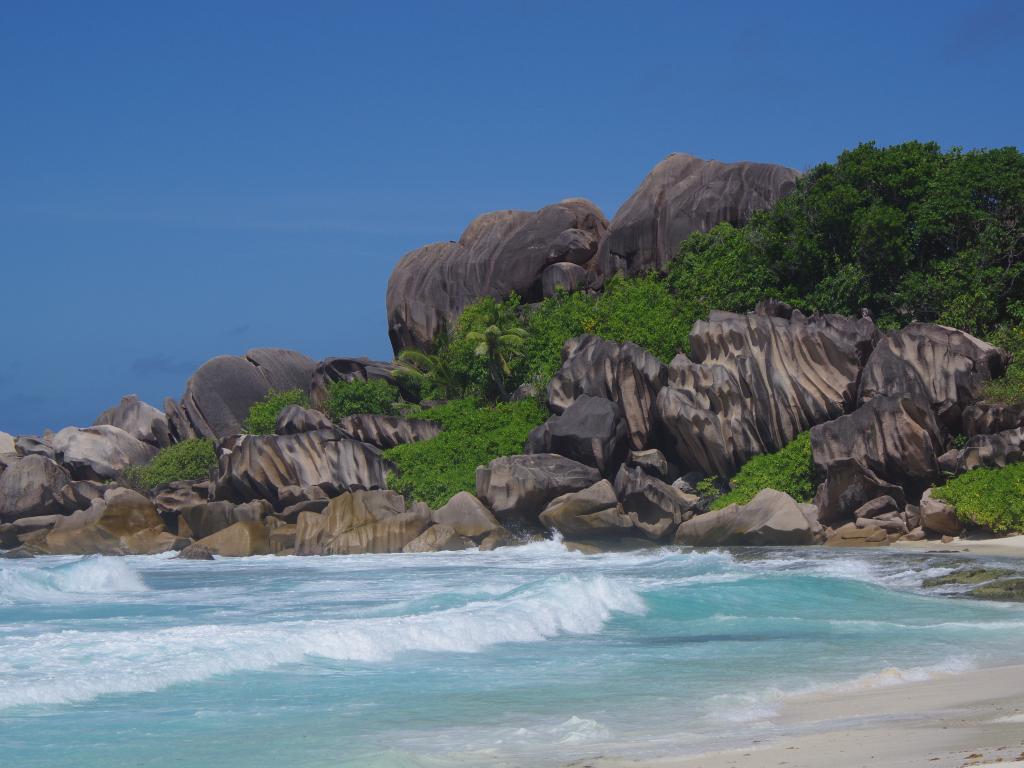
<point>195,551</point>
<point>32,486</point>
<point>219,394</point>
<point>967,576</point>
<point>848,486</point>
<point>204,520</point>
<point>771,518</point>
<point>256,466</point>
<point>518,488</point>
<point>467,516</point>
<point>622,373</point>
<point>438,538</point>
<point>139,419</point>
<point>654,507</point>
<point>361,522</point>
<point>1008,590</point>
<point>591,512</point>
<point>499,253</point>
<point>755,381</point>
<point>123,522</point>
<point>591,430</point>
<point>681,195</point>
<point>942,366</point>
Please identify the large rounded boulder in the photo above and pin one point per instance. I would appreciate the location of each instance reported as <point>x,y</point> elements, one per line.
<point>499,253</point>
<point>682,195</point>
<point>139,419</point>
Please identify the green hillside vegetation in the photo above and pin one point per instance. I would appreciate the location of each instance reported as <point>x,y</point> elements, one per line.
<point>789,470</point>
<point>188,460</point>
<point>263,414</point>
<point>993,498</point>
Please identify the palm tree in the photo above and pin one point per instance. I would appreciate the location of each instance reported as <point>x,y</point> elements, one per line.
<point>499,344</point>
<point>435,369</point>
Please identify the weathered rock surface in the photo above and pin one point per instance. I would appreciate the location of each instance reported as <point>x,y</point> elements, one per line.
<point>34,445</point>
<point>989,418</point>
<point>123,522</point>
<point>99,453</point>
<point>654,507</point>
<point>564,276</point>
<point>591,430</point>
<point>771,518</point>
<point>623,373</point>
<point>294,419</point>
<point>204,520</point>
<point>140,420</point>
<point>6,443</point>
<point>651,461</point>
<point>939,517</point>
<point>945,367</point>
<point>893,441</point>
<point>592,512</point>
<point>517,488</point>
<point>180,494</point>
<point>387,431</point>
<point>256,466</point>
<point>219,394</point>
<point>31,486</point>
<point>242,539</point>
<point>498,254</point>
<point>850,535</point>
<point>79,494</point>
<point>438,538</point>
<point>361,522</point>
<point>467,516</point>
<point>334,369</point>
<point>682,195</point>
<point>996,450</point>
<point>754,382</point>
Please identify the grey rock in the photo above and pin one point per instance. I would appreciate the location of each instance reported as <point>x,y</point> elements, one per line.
<point>361,522</point>
<point>100,453</point>
<point>6,443</point>
<point>848,486</point>
<point>883,505</point>
<point>564,276</point>
<point>334,369</point>
<point>771,518</point>
<point>654,507</point>
<point>517,488</point>
<point>79,494</point>
<point>996,450</point>
<point>467,516</point>
<point>939,517</point>
<point>34,445</point>
<point>294,419</point>
<point>195,551</point>
<point>387,431</point>
<point>204,520</point>
<point>498,254</point>
<point>987,418</point>
<point>652,461</point>
<point>256,466</point>
<point>682,195</point>
<point>31,486</point>
<point>438,538</point>
<point>594,511</point>
<point>591,430</point>
<point>140,420</point>
<point>171,498</point>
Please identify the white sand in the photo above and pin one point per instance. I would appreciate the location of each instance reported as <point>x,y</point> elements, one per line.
<point>1011,546</point>
<point>974,719</point>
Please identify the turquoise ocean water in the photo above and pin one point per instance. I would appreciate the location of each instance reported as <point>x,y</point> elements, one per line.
<point>519,657</point>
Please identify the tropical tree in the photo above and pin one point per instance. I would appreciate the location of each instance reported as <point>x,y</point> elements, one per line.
<point>499,345</point>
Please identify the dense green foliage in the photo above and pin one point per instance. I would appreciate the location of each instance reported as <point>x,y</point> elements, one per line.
<point>788,470</point>
<point>263,414</point>
<point>345,398</point>
<point>189,460</point>
<point>473,433</point>
<point>988,497</point>
<point>1008,389</point>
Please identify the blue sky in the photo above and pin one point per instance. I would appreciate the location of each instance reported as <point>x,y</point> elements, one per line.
<point>187,179</point>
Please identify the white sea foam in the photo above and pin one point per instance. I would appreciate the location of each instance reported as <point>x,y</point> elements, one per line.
<point>67,581</point>
<point>70,666</point>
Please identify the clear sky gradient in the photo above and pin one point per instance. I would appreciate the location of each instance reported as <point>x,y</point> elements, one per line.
<point>181,180</point>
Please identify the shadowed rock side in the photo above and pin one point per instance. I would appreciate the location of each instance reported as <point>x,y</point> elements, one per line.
<point>756,381</point>
<point>591,431</point>
<point>517,488</point>
<point>257,466</point>
<point>30,486</point>
<point>682,195</point>
<point>218,396</point>
<point>361,522</point>
<point>499,253</point>
<point>139,419</point>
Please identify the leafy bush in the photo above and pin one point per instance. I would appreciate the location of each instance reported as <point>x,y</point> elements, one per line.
<point>1008,389</point>
<point>788,470</point>
<point>263,414</point>
<point>473,434</point>
<point>989,497</point>
<point>345,398</point>
<point>189,460</point>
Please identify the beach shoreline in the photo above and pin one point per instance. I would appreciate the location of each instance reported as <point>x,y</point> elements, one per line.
<point>1008,546</point>
<point>974,718</point>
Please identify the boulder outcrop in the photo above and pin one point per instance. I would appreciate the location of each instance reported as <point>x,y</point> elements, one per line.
<point>257,466</point>
<point>771,518</point>
<point>754,382</point>
<point>591,430</point>
<point>467,516</point>
<point>32,486</point>
<point>518,488</point>
<point>499,253</point>
<point>219,394</point>
<point>140,420</point>
<point>242,539</point>
<point>294,419</point>
<point>623,373</point>
<point>387,431</point>
<point>997,450</point>
<point>334,369</point>
<point>654,507</point>
<point>438,538</point>
<point>942,366</point>
<point>123,522</point>
<point>888,441</point>
<point>361,522</point>
<point>681,195</point>
<point>592,512</point>
<point>939,516</point>
<point>202,520</point>
<point>99,453</point>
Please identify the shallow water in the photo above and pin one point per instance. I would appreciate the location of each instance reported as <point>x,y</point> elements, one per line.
<point>523,656</point>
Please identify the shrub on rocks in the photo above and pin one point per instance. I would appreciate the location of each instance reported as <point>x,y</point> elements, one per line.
<point>993,498</point>
<point>345,398</point>
<point>189,460</point>
<point>263,414</point>
<point>789,470</point>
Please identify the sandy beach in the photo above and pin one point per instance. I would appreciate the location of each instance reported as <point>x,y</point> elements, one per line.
<point>972,719</point>
<point>1009,546</point>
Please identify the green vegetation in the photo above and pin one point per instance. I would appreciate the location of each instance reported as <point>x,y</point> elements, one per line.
<point>263,414</point>
<point>345,398</point>
<point>189,460</point>
<point>993,498</point>
<point>1010,388</point>
<point>788,470</point>
<point>435,470</point>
